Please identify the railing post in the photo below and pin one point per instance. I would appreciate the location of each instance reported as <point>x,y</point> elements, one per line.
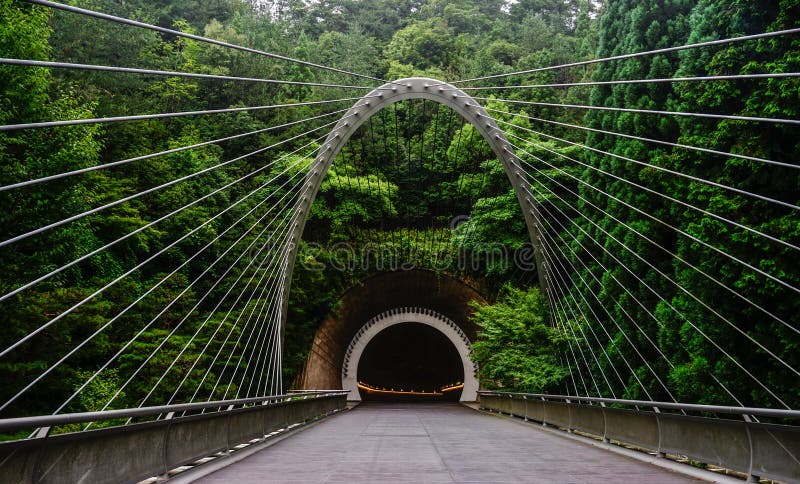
<point>228,431</point>
<point>659,453</point>
<point>264,413</point>
<point>569,416</point>
<point>164,455</point>
<point>41,433</point>
<point>750,476</point>
<point>525,402</point>
<point>605,423</point>
<point>544,412</point>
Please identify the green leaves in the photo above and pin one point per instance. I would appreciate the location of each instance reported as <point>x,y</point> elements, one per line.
<point>422,45</point>
<point>418,170</point>
<point>516,348</point>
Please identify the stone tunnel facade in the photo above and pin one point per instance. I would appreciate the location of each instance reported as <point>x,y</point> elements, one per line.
<point>381,292</point>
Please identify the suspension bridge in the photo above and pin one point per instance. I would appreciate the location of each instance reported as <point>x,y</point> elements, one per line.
<point>199,347</point>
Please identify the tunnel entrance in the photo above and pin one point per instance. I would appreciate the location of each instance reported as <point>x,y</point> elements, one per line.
<point>410,362</point>
<point>410,356</point>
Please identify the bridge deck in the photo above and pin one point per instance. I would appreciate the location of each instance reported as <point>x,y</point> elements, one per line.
<point>433,443</point>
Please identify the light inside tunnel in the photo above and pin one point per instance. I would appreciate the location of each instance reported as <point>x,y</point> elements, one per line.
<point>410,361</point>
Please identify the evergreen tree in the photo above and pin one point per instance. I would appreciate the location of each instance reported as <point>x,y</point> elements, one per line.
<point>631,26</point>
<point>712,20</point>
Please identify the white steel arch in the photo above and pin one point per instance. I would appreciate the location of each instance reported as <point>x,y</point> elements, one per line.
<point>374,102</point>
<point>409,315</point>
<point>401,90</point>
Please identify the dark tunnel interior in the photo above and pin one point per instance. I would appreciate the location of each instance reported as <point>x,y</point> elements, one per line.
<point>410,362</point>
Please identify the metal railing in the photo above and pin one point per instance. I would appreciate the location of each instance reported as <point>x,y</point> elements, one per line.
<point>757,449</point>
<point>177,435</point>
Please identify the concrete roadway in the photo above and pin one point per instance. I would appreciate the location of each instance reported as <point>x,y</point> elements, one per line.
<point>434,443</point>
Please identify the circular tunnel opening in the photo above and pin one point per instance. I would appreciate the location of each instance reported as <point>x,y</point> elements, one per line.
<point>410,362</point>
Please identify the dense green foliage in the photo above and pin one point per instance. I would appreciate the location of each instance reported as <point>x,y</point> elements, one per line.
<point>415,187</point>
<point>672,278</point>
<point>151,298</point>
<point>631,27</point>
<point>517,347</point>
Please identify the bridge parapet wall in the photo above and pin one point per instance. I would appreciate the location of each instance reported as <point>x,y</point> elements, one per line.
<point>131,453</point>
<point>757,449</point>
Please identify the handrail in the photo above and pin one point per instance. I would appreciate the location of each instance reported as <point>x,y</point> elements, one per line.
<point>144,450</point>
<point>757,449</point>
<point>20,423</point>
<point>692,407</point>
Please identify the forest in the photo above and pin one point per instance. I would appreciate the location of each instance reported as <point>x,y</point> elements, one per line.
<point>666,307</point>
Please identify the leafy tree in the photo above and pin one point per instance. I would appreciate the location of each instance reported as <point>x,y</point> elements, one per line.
<point>631,286</point>
<point>516,348</point>
<point>422,45</point>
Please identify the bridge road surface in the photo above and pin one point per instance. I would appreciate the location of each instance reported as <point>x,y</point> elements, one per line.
<point>437,442</point>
